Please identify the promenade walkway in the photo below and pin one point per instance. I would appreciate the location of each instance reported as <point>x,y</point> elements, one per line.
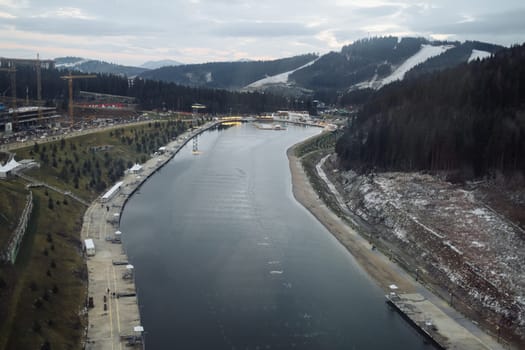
<point>115,314</point>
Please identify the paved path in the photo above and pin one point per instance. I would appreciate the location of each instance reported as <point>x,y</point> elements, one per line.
<point>113,318</point>
<point>37,183</point>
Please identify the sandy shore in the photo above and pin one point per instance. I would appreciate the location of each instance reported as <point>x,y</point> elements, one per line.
<point>462,333</point>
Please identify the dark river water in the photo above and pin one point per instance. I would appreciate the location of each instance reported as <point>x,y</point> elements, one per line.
<point>225,258</point>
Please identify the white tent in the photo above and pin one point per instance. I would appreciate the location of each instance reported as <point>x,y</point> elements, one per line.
<point>118,236</point>
<point>9,166</point>
<point>137,168</point>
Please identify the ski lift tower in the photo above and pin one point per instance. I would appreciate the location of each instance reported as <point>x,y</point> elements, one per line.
<point>195,114</point>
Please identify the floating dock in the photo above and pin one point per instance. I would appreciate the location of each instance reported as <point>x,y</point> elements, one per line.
<point>434,324</point>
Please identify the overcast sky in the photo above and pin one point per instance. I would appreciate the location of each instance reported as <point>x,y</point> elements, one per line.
<point>193,31</point>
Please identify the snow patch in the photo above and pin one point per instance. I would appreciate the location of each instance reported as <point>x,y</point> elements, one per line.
<point>482,213</point>
<point>478,54</point>
<point>400,234</point>
<point>72,64</point>
<point>277,79</point>
<point>451,246</point>
<point>477,244</point>
<point>426,52</point>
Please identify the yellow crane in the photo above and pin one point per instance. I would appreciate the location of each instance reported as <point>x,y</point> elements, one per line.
<point>69,79</point>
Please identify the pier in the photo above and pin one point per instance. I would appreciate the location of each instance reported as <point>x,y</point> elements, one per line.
<point>113,305</point>
<point>433,323</point>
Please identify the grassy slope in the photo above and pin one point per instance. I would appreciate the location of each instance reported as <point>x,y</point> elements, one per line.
<point>12,203</point>
<point>54,235</point>
<point>49,257</point>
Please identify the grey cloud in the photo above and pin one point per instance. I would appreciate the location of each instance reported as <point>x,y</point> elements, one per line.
<point>251,28</point>
<point>377,11</point>
<point>75,26</point>
<point>446,21</point>
<point>348,34</point>
<point>265,29</point>
<point>511,22</point>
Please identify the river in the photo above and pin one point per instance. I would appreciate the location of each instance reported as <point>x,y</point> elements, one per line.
<point>225,258</point>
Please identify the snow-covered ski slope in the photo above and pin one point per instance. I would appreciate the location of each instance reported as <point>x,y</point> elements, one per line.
<point>277,79</point>
<point>426,52</point>
<point>478,54</point>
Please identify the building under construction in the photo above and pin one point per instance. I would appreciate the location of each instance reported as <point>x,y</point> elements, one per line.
<point>20,118</point>
<point>92,104</point>
<point>45,64</point>
<point>27,118</point>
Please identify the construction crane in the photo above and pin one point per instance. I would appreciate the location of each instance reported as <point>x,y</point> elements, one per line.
<point>38,69</point>
<point>69,79</point>
<point>11,69</point>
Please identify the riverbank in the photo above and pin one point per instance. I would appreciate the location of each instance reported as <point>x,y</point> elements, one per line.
<point>114,312</point>
<point>378,266</point>
<point>375,264</point>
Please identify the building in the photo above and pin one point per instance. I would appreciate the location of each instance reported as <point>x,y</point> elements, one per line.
<point>23,118</point>
<point>135,169</point>
<point>111,192</point>
<point>294,116</point>
<point>44,64</point>
<point>8,167</point>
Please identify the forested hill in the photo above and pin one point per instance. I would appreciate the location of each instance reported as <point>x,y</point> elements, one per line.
<point>226,75</point>
<point>470,118</point>
<point>148,94</point>
<point>451,58</point>
<point>375,62</point>
<point>96,66</point>
<point>358,62</point>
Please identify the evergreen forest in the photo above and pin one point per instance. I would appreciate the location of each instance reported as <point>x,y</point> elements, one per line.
<point>469,119</point>
<point>148,94</point>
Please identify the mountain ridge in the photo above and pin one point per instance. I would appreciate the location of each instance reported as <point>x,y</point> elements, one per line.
<point>87,65</point>
<point>226,75</point>
<point>366,63</point>
<point>160,63</point>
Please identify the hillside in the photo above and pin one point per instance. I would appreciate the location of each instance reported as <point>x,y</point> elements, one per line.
<point>86,65</point>
<point>459,53</point>
<point>469,119</point>
<point>361,61</point>
<point>226,75</point>
<point>434,169</point>
<point>376,62</point>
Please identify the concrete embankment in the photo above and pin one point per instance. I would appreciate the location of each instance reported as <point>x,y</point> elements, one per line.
<point>113,308</point>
